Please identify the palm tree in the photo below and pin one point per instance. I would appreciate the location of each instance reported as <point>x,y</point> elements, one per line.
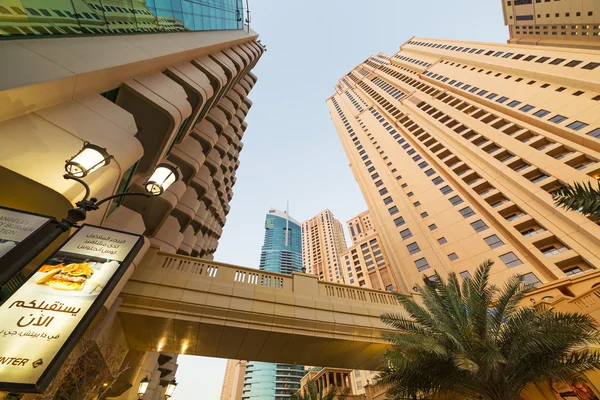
<point>334,393</point>
<point>474,339</point>
<point>581,197</point>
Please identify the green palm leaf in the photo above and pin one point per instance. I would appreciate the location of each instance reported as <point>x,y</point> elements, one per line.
<point>580,197</point>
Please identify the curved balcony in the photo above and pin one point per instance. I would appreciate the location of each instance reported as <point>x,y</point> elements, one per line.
<point>235,98</point>
<point>225,167</point>
<point>249,80</point>
<point>227,107</point>
<point>244,108</point>
<point>244,127</point>
<point>225,63</point>
<point>240,63</point>
<point>246,55</point>
<point>229,133</point>
<point>125,219</point>
<point>198,247</point>
<point>206,133</point>
<point>199,221</point>
<point>189,157</point>
<point>218,180</point>
<point>235,123</point>
<point>168,236</point>
<point>239,89</point>
<point>210,197</point>
<point>213,160</point>
<point>222,145</point>
<point>218,117</point>
<point>202,181</point>
<point>189,241</point>
<point>154,210</point>
<point>240,114</point>
<point>185,210</point>
<point>213,71</point>
<point>246,85</point>
<point>159,106</point>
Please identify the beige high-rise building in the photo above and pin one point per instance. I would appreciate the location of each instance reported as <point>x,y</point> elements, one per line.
<point>565,23</point>
<point>233,381</point>
<point>323,242</point>
<point>365,263</point>
<point>457,147</point>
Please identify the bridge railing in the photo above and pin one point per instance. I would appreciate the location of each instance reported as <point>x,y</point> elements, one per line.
<point>251,276</point>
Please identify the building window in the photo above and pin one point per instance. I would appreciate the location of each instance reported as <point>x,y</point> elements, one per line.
<point>432,227</point>
<point>530,279</point>
<point>513,104</point>
<point>577,125</point>
<point>541,113</point>
<point>399,221</point>
<point>526,108</point>
<point>479,225</point>
<point>494,241</point>
<point>388,200</point>
<point>410,194</point>
<point>437,180</point>
<point>413,248</point>
<point>465,274</point>
<point>456,200</point>
<point>429,172</point>
<point>442,240</point>
<point>446,189</point>
<point>557,119</point>
<point>452,256</point>
<point>405,234</point>
<point>421,264</point>
<point>466,212</point>
<point>424,214</point>
<point>511,260</point>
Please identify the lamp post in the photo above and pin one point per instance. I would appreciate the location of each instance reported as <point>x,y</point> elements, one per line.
<point>143,387</point>
<point>89,159</point>
<point>170,389</point>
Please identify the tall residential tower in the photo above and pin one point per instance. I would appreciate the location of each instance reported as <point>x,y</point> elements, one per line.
<point>281,252</point>
<point>322,245</point>
<point>457,148</point>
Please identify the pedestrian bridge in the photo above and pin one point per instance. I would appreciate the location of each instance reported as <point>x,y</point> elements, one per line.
<point>186,305</point>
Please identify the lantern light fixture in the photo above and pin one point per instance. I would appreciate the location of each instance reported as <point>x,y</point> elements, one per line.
<point>170,389</point>
<point>87,160</point>
<point>163,176</point>
<point>143,387</point>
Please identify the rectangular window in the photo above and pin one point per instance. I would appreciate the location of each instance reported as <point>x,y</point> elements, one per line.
<point>452,256</point>
<point>513,103</point>
<point>502,99</point>
<point>557,119</point>
<point>378,183</point>
<point>410,194</point>
<point>465,274</point>
<point>375,175</point>
<point>466,212</point>
<point>388,200</point>
<point>531,279</point>
<point>383,191</point>
<point>424,215</point>
<point>557,61</point>
<point>541,113</point>
<point>437,180</point>
<point>399,221</point>
<point>526,108</point>
<point>446,189</point>
<point>577,125</point>
<point>511,260</point>
<point>405,234</point>
<point>393,210</point>
<point>413,248</point>
<point>479,225</point>
<point>421,264</point>
<point>423,164</point>
<point>442,240</point>
<point>491,96</point>
<point>494,241</point>
<point>417,203</point>
<point>455,200</point>
<point>429,172</point>
<point>595,133</point>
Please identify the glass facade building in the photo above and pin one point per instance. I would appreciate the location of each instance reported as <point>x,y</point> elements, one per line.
<point>281,252</point>
<point>97,17</point>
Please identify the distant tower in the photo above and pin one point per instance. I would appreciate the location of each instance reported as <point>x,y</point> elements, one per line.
<point>281,252</point>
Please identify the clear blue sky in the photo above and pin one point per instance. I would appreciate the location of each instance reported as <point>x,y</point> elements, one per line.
<point>291,150</point>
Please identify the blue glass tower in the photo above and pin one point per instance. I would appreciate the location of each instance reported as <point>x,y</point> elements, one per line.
<point>281,252</point>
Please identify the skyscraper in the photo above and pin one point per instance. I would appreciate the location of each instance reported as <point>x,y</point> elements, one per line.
<point>458,147</point>
<point>281,252</point>
<point>322,245</point>
<point>568,23</point>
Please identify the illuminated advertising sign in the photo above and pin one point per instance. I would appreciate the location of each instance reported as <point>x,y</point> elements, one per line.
<point>15,228</point>
<point>45,318</point>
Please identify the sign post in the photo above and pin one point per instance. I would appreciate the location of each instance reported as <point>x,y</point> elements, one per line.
<point>43,320</point>
<point>17,228</point>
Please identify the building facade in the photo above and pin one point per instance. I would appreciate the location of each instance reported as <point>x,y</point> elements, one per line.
<point>458,147</point>
<point>568,23</point>
<point>323,242</point>
<point>174,93</point>
<point>365,263</point>
<point>281,252</point>
<point>233,381</point>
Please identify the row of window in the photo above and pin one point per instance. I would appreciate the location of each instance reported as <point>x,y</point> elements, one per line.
<point>513,56</point>
<point>525,108</point>
<point>413,61</point>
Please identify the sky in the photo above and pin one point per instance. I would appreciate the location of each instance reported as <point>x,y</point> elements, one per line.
<point>291,149</point>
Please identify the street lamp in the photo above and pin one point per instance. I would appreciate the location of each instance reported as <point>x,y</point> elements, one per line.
<point>89,159</point>
<point>143,387</point>
<point>170,389</point>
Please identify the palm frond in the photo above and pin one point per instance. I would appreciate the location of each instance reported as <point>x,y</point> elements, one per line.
<point>580,197</point>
